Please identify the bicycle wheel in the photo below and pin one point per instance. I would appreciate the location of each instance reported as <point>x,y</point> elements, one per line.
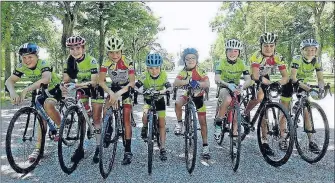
<point>108,144</point>
<point>235,140</point>
<point>190,134</point>
<point>318,132</point>
<point>150,140</point>
<point>71,135</point>
<point>271,134</point>
<point>26,126</point>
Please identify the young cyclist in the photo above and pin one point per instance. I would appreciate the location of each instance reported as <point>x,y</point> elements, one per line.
<point>262,62</point>
<point>122,75</point>
<point>84,68</point>
<point>303,67</point>
<point>38,71</point>
<point>228,73</point>
<point>155,79</point>
<point>197,78</point>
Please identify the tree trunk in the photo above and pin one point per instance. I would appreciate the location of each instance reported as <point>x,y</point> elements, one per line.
<point>102,34</point>
<point>317,11</point>
<point>7,37</point>
<point>68,22</point>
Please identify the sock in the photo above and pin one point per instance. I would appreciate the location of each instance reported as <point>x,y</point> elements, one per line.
<point>128,145</point>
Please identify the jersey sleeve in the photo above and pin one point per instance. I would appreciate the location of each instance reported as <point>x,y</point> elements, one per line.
<point>140,81</point>
<point>295,62</point>
<point>131,69</point>
<point>318,66</point>
<point>218,69</point>
<point>203,75</point>
<point>94,66</point>
<point>167,83</point>
<point>19,70</point>
<point>104,66</point>
<point>245,69</point>
<point>182,75</point>
<point>254,61</point>
<point>45,66</point>
<point>280,61</point>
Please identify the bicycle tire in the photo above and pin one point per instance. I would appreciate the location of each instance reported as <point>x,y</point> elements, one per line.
<point>150,141</point>
<point>325,142</point>
<point>68,169</point>
<point>290,135</point>
<point>235,160</point>
<point>9,150</point>
<point>191,136</point>
<point>108,124</point>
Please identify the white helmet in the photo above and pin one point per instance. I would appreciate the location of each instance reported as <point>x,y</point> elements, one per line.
<point>308,42</point>
<point>268,38</point>
<point>234,44</point>
<point>114,44</point>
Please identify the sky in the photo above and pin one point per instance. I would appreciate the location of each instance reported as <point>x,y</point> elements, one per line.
<point>194,16</point>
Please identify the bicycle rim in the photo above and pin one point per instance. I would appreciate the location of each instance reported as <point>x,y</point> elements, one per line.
<point>32,126</point>
<point>108,144</point>
<point>320,136</point>
<point>70,133</point>
<point>273,136</point>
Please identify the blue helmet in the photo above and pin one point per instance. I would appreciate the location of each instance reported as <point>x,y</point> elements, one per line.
<point>190,51</point>
<point>154,60</point>
<point>28,48</point>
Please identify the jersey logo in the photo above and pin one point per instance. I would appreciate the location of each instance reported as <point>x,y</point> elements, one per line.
<point>19,65</point>
<point>94,61</point>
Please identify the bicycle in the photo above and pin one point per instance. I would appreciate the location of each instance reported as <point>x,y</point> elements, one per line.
<point>190,126</point>
<point>233,112</point>
<point>34,122</point>
<point>72,129</point>
<point>319,127</point>
<point>113,127</point>
<point>268,110</point>
<point>153,123</point>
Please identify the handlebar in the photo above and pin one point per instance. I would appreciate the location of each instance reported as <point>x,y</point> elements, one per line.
<point>155,94</point>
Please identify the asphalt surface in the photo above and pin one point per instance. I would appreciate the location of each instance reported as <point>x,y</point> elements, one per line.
<point>252,167</point>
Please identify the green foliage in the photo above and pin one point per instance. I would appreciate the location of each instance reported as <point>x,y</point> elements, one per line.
<point>292,21</point>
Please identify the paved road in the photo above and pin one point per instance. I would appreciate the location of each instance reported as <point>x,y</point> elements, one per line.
<point>252,168</point>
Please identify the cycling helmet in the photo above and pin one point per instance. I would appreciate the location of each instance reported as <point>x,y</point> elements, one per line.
<point>308,42</point>
<point>154,60</point>
<point>234,44</point>
<point>190,51</point>
<point>75,41</point>
<point>28,48</point>
<point>114,44</point>
<point>268,38</point>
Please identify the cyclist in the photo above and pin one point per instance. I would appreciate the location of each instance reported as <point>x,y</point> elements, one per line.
<point>84,68</point>
<point>197,78</point>
<point>262,62</point>
<point>303,67</point>
<point>122,75</point>
<point>38,71</point>
<point>228,73</point>
<point>155,79</point>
